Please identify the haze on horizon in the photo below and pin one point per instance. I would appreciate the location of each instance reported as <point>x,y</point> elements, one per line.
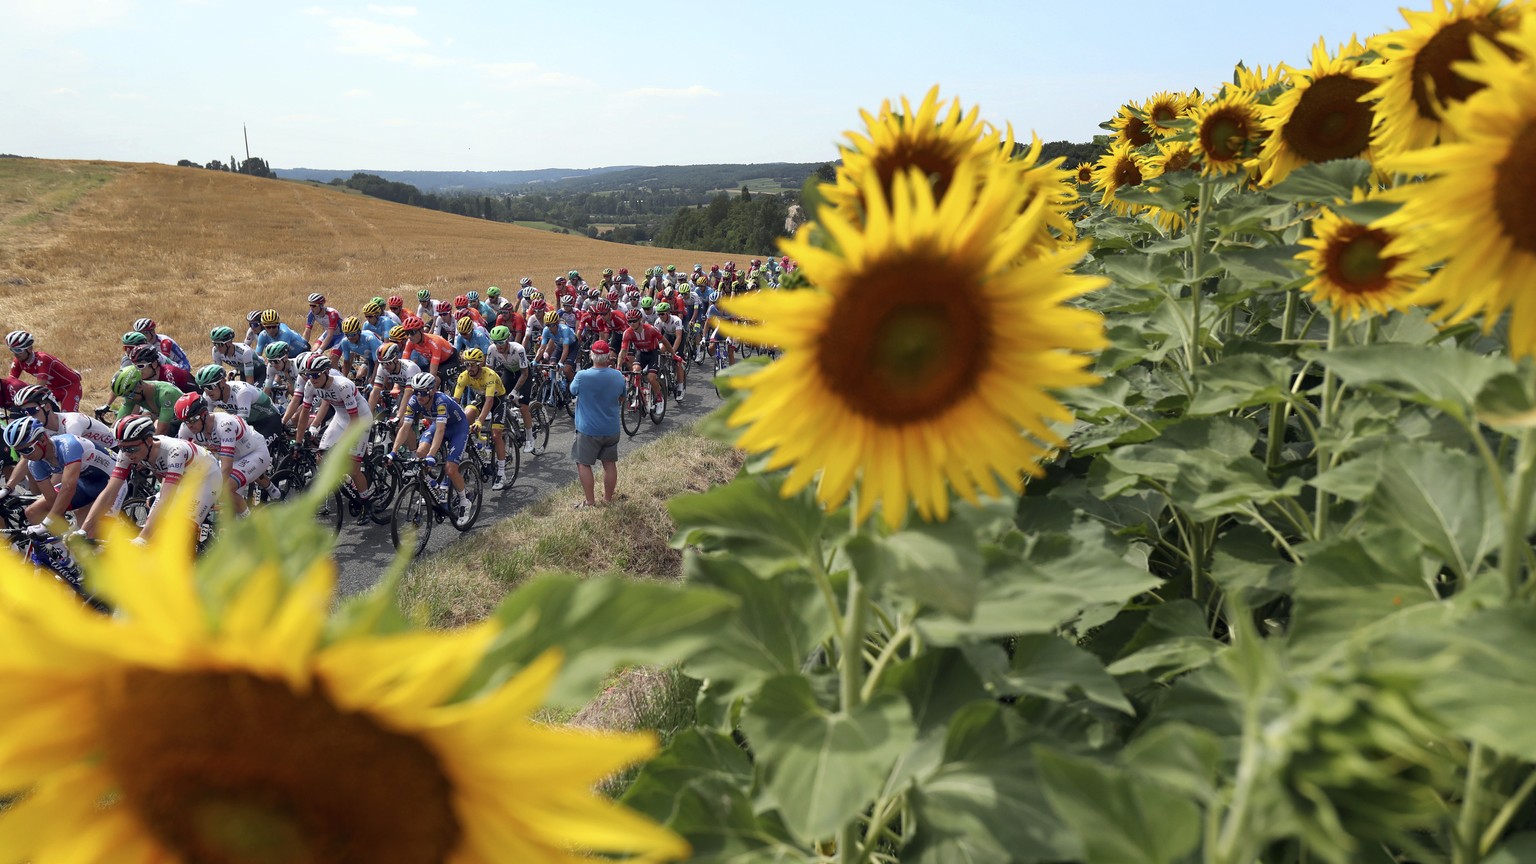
<point>464,86</point>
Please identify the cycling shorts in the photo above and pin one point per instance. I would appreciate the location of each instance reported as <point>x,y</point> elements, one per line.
<point>454,439</point>
<point>650,361</point>
<point>249,467</point>
<point>340,420</point>
<point>88,487</point>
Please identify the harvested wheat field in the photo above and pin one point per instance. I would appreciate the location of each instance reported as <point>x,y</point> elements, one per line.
<point>87,247</point>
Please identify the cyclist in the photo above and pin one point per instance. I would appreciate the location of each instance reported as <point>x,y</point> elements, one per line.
<point>356,346</point>
<point>443,323</point>
<point>147,360</point>
<point>568,315</point>
<point>470,335</point>
<point>392,377</point>
<point>508,359</point>
<point>645,341</point>
<point>537,308</point>
<point>242,452</point>
<point>236,355</point>
<point>155,398</point>
<point>462,306</point>
<point>240,398</point>
<point>35,400</point>
<point>273,330</point>
<point>712,318</point>
<point>672,333</point>
<point>486,404</point>
<point>376,320</point>
<point>557,344</point>
<point>512,319</point>
<point>325,389</point>
<point>133,340</point>
<point>648,310</point>
<point>282,377</point>
<point>395,307</point>
<point>495,302</point>
<point>425,308</point>
<point>51,372</point>
<point>169,459</point>
<point>68,472</point>
<point>430,351</point>
<point>167,345</point>
<point>253,329</point>
<point>486,310</point>
<point>319,313</point>
<point>450,430</point>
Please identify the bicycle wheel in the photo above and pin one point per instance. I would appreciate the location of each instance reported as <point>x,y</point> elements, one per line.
<point>658,407</point>
<point>293,483</point>
<point>136,510</point>
<point>567,400</point>
<point>382,481</point>
<point>719,367</point>
<point>412,512</point>
<point>474,490</point>
<point>539,434</point>
<point>633,408</point>
<point>512,440</point>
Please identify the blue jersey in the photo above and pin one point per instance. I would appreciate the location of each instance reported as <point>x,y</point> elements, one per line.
<point>382,326</point>
<point>296,343</point>
<point>564,335</point>
<point>715,311</point>
<point>441,409</point>
<point>366,346</point>
<point>477,338</point>
<point>67,450</point>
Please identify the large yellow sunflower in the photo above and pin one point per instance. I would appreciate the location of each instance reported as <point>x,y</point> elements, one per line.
<point>1165,107</point>
<point>895,141</point>
<point>922,357</point>
<point>1351,270</point>
<point>1320,117</point>
<point>175,732</point>
<point>1130,127</point>
<point>1477,212</point>
<point>1226,133</point>
<point>1419,74</point>
<point>1120,168</point>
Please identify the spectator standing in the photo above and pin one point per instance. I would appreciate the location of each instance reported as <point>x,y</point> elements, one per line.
<point>599,391</point>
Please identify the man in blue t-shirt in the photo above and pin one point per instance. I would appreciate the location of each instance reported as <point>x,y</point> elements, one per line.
<point>598,392</point>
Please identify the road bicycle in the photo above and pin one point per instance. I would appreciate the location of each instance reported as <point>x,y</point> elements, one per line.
<point>44,552</point>
<point>720,358</point>
<point>552,390</point>
<point>640,401</point>
<point>424,499</point>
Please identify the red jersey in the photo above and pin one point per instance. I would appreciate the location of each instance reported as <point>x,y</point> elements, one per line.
<point>8,387</point>
<point>512,320</point>
<point>51,372</point>
<point>172,374</point>
<point>646,338</point>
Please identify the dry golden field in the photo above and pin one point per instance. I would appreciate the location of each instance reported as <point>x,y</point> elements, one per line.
<point>87,247</point>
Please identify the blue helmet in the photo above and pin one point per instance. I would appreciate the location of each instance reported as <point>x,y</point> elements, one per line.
<point>714,296</point>
<point>22,432</point>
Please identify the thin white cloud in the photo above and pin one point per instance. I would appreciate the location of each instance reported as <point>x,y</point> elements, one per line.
<point>63,91</point>
<point>388,41</point>
<point>315,11</point>
<point>691,92</point>
<point>393,11</point>
<point>356,93</point>
<point>525,75</point>
<point>56,16</point>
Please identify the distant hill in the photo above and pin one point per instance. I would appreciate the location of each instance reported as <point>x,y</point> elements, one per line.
<point>766,176</point>
<point>452,181</point>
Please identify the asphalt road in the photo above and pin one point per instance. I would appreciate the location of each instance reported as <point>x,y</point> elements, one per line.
<point>364,552</point>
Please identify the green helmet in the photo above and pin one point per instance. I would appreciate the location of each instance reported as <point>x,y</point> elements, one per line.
<point>573,275</point>
<point>126,381</point>
<point>220,335</point>
<point>275,351</point>
<point>134,337</point>
<point>378,300</point>
<point>423,295</point>
<point>663,308</point>
<point>208,376</point>
<point>646,302</point>
<point>500,333</point>
<point>493,292</point>
<point>671,268</point>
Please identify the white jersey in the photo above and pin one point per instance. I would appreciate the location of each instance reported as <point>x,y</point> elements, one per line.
<point>242,396</point>
<point>172,459</point>
<point>514,358</point>
<point>240,357</point>
<point>426,311</point>
<point>339,393</point>
<point>226,436</point>
<point>382,377</point>
<point>87,427</point>
<point>669,326</point>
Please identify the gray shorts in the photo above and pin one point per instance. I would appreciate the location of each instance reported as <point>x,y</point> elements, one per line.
<point>591,449</point>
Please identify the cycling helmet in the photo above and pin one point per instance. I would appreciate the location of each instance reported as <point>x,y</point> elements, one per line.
<point>397,333</point>
<point>208,376</point>
<point>500,334</point>
<point>756,262</point>
<point>268,317</point>
<point>22,432</point>
<point>685,288</point>
<point>146,354</point>
<point>378,300</point>
<point>144,324</point>
<point>191,405</point>
<point>663,308</point>
<point>633,316</point>
<point>646,302</point>
<point>472,296</point>
<point>315,363</point>
<point>425,381</point>
<point>133,339</point>
<point>410,323</point>
<point>714,268</point>
<point>351,324</point>
<point>316,298</point>
<point>714,296</point>
<point>730,266</point>
<point>536,296</point>
<point>19,340</point>
<point>395,302</point>
<point>126,381</point>
<point>372,307</point>
<point>460,301</point>
<point>551,317</point>
<point>613,295</point>
<point>560,280</point>
<point>444,307</point>
<point>567,300</point>
<point>466,325</point>
<point>220,335</point>
<point>423,295</point>
<point>671,268</point>
<point>493,292</point>
<point>698,268</point>
<point>253,316</point>
<point>633,296</point>
<point>602,307</point>
<point>275,351</point>
<point>525,282</point>
<point>135,428</point>
<point>33,393</point>
<point>472,355</point>
<point>573,275</point>
<point>389,352</point>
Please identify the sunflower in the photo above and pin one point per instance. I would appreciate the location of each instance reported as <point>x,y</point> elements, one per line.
<point>1351,270</point>
<point>183,730</point>
<point>1227,130</point>
<point>1052,183</point>
<point>1165,107</point>
<point>1120,168</point>
<point>1130,127</point>
<point>1256,82</point>
<point>1320,117</point>
<point>1171,157</point>
<point>895,141</point>
<point>1084,172</point>
<point>1475,212</point>
<point>1419,74</point>
<point>925,348</point>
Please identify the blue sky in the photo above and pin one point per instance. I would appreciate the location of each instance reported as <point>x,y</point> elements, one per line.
<point>512,85</point>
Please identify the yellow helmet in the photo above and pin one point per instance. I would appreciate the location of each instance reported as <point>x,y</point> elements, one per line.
<point>472,355</point>
<point>373,307</point>
<point>397,333</point>
<point>466,325</point>
<point>551,317</point>
<point>268,317</point>
<point>351,324</point>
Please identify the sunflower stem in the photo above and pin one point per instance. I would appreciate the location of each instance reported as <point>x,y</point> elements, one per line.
<point>1280,413</point>
<point>851,679</point>
<point>1468,821</point>
<point>1192,351</point>
<point>1324,424</point>
<point>1518,514</point>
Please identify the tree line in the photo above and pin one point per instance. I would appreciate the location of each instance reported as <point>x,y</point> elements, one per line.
<point>253,165</point>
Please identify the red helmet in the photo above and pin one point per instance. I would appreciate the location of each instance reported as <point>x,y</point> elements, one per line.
<point>411,322</point>
<point>634,316</point>
<point>613,295</point>
<point>460,302</point>
<point>714,268</point>
<point>559,280</point>
<point>602,307</point>
<point>191,405</point>
<point>444,307</point>
<point>395,302</point>
<point>623,271</point>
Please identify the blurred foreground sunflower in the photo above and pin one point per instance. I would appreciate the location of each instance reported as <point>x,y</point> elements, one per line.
<point>927,344</point>
<point>1477,212</point>
<point>1320,117</point>
<point>1227,130</point>
<point>1351,270</point>
<point>176,732</point>
<point>1053,184</point>
<point>1419,74</point>
<point>895,141</point>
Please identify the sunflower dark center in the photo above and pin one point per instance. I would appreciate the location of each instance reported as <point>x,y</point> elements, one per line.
<point>1126,174</point>
<point>1224,134</point>
<point>897,356</point>
<point>229,768</point>
<point>1085,173</point>
<point>938,161</point>
<point>1162,113</point>
<point>1137,132</point>
<point>1514,190</point>
<point>1353,261</point>
<point>1330,121</point>
<point>1178,160</point>
<point>1434,79</point>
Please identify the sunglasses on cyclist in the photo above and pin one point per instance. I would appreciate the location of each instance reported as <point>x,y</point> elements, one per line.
<point>145,365</point>
<point>27,450</point>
